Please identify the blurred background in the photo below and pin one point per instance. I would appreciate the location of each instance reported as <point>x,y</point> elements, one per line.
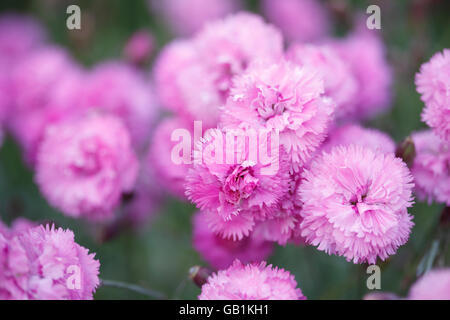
<point>159,255</point>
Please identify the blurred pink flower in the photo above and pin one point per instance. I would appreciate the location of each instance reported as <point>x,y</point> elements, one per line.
<point>193,77</point>
<point>185,17</point>
<point>340,83</point>
<point>358,135</point>
<point>219,252</point>
<point>433,83</point>
<point>355,203</point>
<point>39,263</point>
<point>233,194</point>
<point>18,226</point>
<point>434,285</point>
<point>169,174</point>
<point>46,88</point>
<point>19,35</point>
<point>120,90</point>
<point>431,167</point>
<point>255,281</point>
<point>286,98</point>
<point>299,20</point>
<point>365,52</point>
<point>85,164</point>
<point>139,47</point>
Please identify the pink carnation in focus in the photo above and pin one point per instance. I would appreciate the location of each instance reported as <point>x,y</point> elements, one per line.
<point>234,194</point>
<point>139,47</point>
<point>340,83</point>
<point>85,164</point>
<point>283,97</point>
<point>355,203</point>
<point>185,17</point>
<point>41,262</point>
<point>193,77</point>
<point>257,281</point>
<point>365,52</point>
<point>299,20</point>
<point>170,172</point>
<point>431,167</point>
<point>433,83</point>
<point>219,252</point>
<point>434,285</point>
<point>358,135</point>
<point>283,226</point>
<point>120,90</point>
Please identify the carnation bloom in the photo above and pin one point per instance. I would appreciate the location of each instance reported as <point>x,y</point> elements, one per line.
<point>121,90</point>
<point>299,20</point>
<point>340,83</point>
<point>358,135</point>
<point>18,226</point>
<point>355,203</point>
<point>234,194</point>
<point>85,164</point>
<point>139,47</point>
<point>193,77</point>
<point>41,263</point>
<point>170,172</point>
<point>186,17</point>
<point>219,252</point>
<point>434,285</point>
<point>433,83</point>
<point>282,226</point>
<point>283,97</point>
<point>431,167</point>
<point>46,88</point>
<point>257,281</point>
<point>364,51</point>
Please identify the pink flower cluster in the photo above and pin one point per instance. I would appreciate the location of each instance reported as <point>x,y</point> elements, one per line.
<point>45,263</point>
<point>256,281</point>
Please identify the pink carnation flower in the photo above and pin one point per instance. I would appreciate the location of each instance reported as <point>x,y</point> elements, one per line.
<point>355,134</point>
<point>219,252</point>
<point>41,263</point>
<point>84,165</point>
<point>120,90</point>
<point>431,167</point>
<point>139,47</point>
<point>234,194</point>
<point>365,52</point>
<point>186,17</point>
<point>255,281</point>
<point>434,285</point>
<point>283,97</point>
<point>299,20</point>
<point>46,89</point>
<point>193,77</point>
<point>340,83</point>
<point>282,226</point>
<point>355,203</point>
<point>170,172</point>
<point>433,83</point>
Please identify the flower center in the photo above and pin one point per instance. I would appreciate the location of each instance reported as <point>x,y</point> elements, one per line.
<point>239,184</point>
<point>270,103</point>
<point>87,161</point>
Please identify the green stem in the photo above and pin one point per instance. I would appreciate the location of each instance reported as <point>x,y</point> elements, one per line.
<point>135,288</point>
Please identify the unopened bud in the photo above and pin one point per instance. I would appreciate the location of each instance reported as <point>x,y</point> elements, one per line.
<point>199,275</point>
<point>406,151</point>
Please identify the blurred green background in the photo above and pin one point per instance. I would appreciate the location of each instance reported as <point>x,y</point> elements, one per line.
<point>159,255</point>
